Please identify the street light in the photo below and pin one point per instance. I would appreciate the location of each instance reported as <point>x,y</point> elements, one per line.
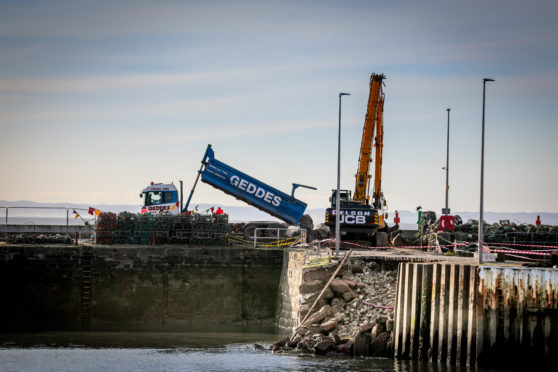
<point>337,208</point>
<point>446,210</point>
<point>482,174</point>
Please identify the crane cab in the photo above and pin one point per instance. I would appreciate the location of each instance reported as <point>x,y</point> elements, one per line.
<point>344,196</point>
<point>160,198</point>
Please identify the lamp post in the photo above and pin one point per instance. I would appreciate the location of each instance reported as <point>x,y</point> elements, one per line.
<point>481,227</point>
<point>446,210</point>
<point>337,208</point>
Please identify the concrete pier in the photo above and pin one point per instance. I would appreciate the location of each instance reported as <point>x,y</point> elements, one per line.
<point>465,314</point>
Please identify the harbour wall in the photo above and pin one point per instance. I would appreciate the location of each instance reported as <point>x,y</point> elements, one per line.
<point>138,288</point>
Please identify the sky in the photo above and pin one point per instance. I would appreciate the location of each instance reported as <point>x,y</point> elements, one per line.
<point>98,98</point>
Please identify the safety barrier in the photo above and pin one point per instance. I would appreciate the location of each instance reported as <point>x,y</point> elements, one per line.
<point>509,251</point>
<point>280,231</point>
<point>287,242</point>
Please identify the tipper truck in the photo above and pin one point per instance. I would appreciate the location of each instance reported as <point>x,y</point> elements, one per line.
<point>251,191</point>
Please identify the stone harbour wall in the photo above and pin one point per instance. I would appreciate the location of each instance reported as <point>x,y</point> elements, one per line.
<point>163,288</point>
<point>288,300</point>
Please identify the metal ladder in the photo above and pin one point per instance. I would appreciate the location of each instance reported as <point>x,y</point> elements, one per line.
<point>86,286</point>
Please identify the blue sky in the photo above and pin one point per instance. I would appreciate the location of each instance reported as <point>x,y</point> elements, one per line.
<point>99,98</point>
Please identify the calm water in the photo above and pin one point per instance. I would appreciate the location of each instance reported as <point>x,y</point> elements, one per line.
<point>173,352</point>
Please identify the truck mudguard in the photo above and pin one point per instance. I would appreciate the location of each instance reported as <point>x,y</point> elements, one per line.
<point>250,190</point>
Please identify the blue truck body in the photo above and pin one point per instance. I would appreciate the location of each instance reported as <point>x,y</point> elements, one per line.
<point>250,190</point>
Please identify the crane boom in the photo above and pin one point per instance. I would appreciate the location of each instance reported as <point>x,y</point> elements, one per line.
<point>372,125</point>
<point>377,195</point>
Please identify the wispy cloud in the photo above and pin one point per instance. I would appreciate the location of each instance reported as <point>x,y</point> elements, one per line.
<point>200,134</point>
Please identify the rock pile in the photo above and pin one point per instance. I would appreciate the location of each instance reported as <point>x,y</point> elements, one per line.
<point>355,315</point>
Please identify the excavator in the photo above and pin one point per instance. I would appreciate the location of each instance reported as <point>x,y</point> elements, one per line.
<point>363,215</point>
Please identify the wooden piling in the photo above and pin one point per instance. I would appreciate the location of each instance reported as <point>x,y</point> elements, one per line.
<point>466,315</point>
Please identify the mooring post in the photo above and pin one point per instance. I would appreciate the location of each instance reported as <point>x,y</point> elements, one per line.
<point>76,239</point>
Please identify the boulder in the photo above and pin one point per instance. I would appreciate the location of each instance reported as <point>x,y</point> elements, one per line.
<point>328,294</point>
<point>322,347</point>
<point>340,286</point>
<point>335,337</point>
<point>377,329</point>
<point>314,329</point>
<point>329,325</point>
<point>318,316</point>
<point>317,273</point>
<point>294,342</point>
<point>366,327</point>
<point>348,296</point>
<point>346,348</point>
<point>309,298</point>
<point>362,344</point>
<point>379,346</point>
<point>311,287</point>
<point>280,343</point>
<point>351,283</point>
<point>304,308</point>
<point>301,331</point>
<point>356,268</point>
<point>360,284</point>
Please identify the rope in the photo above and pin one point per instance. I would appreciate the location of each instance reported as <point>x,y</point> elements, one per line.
<point>521,252</point>
<point>526,245</point>
<point>377,306</point>
<point>524,258</point>
<point>404,246</point>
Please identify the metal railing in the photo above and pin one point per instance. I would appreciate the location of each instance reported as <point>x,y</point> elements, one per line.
<point>86,220</point>
<point>275,238</point>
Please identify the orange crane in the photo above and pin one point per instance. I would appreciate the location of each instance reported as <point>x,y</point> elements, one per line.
<point>359,220</point>
<point>373,125</point>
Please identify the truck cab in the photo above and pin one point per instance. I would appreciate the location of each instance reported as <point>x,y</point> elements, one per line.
<point>160,198</point>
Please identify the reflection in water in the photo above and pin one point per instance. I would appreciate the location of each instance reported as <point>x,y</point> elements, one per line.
<point>100,351</point>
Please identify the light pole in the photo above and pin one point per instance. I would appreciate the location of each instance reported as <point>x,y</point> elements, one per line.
<point>481,227</point>
<point>337,208</point>
<point>446,210</point>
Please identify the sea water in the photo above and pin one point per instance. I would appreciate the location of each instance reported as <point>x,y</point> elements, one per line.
<point>146,351</point>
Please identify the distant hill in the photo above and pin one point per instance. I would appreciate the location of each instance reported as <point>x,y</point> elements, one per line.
<point>244,213</point>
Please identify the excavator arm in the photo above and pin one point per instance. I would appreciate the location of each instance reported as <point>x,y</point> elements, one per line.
<point>372,125</point>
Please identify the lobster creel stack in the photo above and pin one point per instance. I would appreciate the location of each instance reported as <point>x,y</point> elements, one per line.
<point>106,224</point>
<point>144,229</point>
